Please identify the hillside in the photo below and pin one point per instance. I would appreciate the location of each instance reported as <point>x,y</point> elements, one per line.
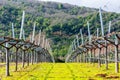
<point>60,21</point>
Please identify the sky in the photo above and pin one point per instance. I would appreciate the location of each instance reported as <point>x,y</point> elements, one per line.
<point>107,5</point>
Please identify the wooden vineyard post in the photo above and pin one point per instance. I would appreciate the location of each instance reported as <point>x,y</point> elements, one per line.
<point>77,59</point>
<point>86,57</point>
<point>28,59</point>
<point>32,57</point>
<point>16,59</point>
<point>106,55</point>
<point>80,58</point>
<point>116,59</point>
<point>99,62</point>
<point>90,55</point>
<point>29,56</point>
<point>45,57</point>
<point>94,56</point>
<point>36,57</point>
<point>23,59</point>
<point>116,56</point>
<point>7,62</point>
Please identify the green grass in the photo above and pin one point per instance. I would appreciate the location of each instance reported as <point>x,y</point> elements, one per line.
<point>63,71</point>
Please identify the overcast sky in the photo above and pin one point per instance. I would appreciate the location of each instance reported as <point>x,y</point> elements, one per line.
<point>108,5</point>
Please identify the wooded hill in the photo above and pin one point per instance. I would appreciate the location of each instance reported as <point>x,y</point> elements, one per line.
<point>61,22</point>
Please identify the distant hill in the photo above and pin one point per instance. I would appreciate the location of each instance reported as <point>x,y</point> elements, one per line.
<point>61,22</point>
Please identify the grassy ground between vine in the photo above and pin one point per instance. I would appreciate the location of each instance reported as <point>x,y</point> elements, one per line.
<point>61,71</point>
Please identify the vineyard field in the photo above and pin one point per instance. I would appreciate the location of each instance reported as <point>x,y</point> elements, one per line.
<point>62,71</point>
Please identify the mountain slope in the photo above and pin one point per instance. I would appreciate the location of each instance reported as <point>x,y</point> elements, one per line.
<point>60,21</point>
